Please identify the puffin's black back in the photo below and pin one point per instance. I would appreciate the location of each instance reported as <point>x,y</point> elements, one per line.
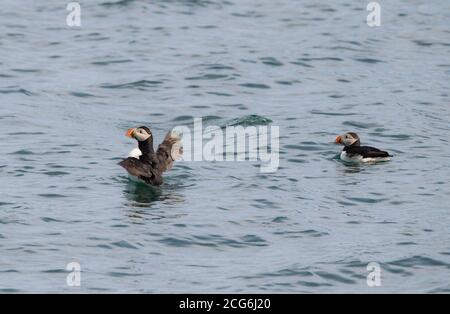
<point>365,151</point>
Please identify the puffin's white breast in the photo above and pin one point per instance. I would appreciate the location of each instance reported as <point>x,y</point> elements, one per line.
<point>359,158</point>
<point>354,158</point>
<point>135,153</point>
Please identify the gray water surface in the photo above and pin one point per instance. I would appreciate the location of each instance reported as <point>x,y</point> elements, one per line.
<point>315,69</point>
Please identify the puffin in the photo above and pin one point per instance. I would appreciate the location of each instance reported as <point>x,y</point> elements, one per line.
<point>144,163</point>
<point>354,152</point>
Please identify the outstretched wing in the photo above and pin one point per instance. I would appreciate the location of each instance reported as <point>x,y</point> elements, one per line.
<point>169,150</point>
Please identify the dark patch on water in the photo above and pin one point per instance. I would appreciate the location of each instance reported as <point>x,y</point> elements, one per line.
<point>250,120</point>
<point>207,77</point>
<point>16,91</point>
<point>255,85</point>
<point>133,85</point>
<point>124,244</point>
<point>369,60</point>
<point>271,61</point>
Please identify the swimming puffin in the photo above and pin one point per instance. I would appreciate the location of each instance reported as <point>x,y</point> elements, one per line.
<point>354,152</point>
<point>146,164</point>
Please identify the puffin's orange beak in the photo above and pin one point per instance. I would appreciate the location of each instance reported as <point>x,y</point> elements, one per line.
<point>338,140</point>
<point>130,132</point>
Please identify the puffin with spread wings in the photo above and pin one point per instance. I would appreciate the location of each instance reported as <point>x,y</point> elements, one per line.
<point>146,164</point>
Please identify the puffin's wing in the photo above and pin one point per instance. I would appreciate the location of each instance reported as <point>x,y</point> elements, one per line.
<point>169,150</point>
<point>137,168</point>
<point>368,152</point>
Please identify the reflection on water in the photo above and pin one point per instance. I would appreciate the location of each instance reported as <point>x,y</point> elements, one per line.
<point>144,199</point>
<point>348,167</point>
<point>140,194</point>
<point>351,168</point>
<point>345,167</point>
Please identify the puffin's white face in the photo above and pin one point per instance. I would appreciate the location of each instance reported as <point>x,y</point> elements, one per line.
<point>139,133</point>
<point>347,139</point>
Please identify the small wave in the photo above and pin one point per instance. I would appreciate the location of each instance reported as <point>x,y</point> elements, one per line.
<point>25,133</point>
<point>214,240</point>
<point>219,67</point>
<point>360,125</point>
<point>16,91</point>
<point>401,137</point>
<point>368,60</point>
<point>307,146</point>
<point>285,82</point>
<point>255,85</point>
<point>26,70</point>
<point>301,233</point>
<point>123,274</point>
<point>49,219</point>
<point>9,290</point>
<point>423,43</point>
<point>207,77</point>
<point>183,118</point>
<point>280,219</point>
<point>117,3</point>
<point>334,277</point>
<point>56,173</point>
<point>23,152</point>
<point>271,61</point>
<point>366,200</point>
<point>321,59</point>
<point>133,85</point>
<point>303,64</point>
<point>331,113</point>
<point>81,94</point>
<point>54,271</point>
<point>52,195</point>
<point>125,244</point>
<point>220,94</point>
<point>188,3</point>
<point>111,62</point>
<point>417,261</point>
<point>250,120</point>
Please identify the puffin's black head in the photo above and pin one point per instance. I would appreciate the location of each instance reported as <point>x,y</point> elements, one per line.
<point>348,139</point>
<point>141,133</point>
